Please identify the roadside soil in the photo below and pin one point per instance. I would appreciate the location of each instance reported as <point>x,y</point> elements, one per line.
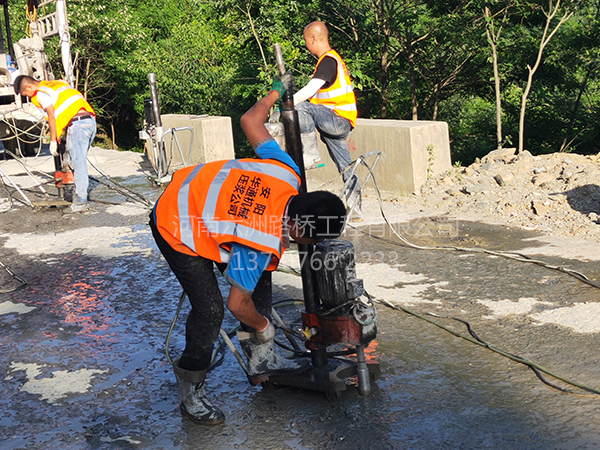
<point>557,194</point>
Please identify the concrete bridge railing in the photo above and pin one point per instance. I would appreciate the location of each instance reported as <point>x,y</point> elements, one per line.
<point>411,152</point>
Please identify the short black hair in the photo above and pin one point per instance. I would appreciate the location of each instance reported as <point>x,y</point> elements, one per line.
<point>23,79</point>
<point>318,214</point>
<point>17,83</point>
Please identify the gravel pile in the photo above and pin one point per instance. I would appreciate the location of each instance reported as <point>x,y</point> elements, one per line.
<point>557,193</point>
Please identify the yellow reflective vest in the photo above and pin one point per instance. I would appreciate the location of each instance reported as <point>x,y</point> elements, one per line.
<point>68,104</point>
<point>340,95</point>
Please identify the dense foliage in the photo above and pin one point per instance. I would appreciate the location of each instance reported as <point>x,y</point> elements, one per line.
<point>410,59</point>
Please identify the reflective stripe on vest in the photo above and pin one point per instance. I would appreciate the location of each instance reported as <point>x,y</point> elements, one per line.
<point>67,102</point>
<point>223,227</point>
<point>340,95</point>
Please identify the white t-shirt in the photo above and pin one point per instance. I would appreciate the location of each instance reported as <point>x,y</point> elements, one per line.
<point>46,99</point>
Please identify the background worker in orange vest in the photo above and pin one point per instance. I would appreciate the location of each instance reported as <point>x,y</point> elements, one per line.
<point>239,215</point>
<point>331,108</point>
<point>66,110</point>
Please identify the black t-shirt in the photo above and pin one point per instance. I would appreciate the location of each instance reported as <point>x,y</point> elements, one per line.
<point>327,70</point>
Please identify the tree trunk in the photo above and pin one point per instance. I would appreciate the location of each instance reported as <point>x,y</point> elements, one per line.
<point>544,41</point>
<point>112,130</point>
<point>411,72</point>
<point>384,82</point>
<point>87,77</point>
<point>262,53</point>
<point>492,39</point>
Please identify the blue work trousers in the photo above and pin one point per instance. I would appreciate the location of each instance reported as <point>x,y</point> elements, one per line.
<point>334,130</point>
<point>80,135</point>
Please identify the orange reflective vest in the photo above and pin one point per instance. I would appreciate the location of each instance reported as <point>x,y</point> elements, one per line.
<point>340,95</point>
<point>69,102</point>
<point>208,207</point>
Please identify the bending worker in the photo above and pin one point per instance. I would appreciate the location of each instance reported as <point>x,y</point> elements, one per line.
<point>332,106</point>
<point>66,110</point>
<point>238,215</point>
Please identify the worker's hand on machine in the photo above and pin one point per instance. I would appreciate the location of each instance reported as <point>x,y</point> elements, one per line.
<point>266,334</point>
<point>54,148</point>
<point>285,82</point>
<point>278,86</point>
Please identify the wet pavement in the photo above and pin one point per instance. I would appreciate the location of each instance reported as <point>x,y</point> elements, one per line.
<point>84,366</point>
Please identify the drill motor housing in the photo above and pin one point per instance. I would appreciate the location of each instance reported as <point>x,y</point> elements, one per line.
<point>341,317</point>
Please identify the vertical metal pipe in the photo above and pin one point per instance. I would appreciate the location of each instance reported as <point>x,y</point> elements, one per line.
<point>2,46</point>
<point>162,159</point>
<point>11,50</point>
<point>154,94</point>
<point>293,143</point>
<point>364,383</point>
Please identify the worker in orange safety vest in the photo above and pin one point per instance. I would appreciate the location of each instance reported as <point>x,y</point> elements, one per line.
<point>67,111</point>
<point>239,215</point>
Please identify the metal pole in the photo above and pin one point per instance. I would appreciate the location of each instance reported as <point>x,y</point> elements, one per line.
<point>11,50</point>
<point>65,40</point>
<point>162,159</point>
<point>364,383</point>
<point>293,145</point>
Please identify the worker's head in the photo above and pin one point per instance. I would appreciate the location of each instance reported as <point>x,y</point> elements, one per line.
<point>316,37</point>
<point>25,85</point>
<point>316,216</point>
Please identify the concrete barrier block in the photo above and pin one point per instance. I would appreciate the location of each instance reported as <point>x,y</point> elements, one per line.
<point>411,152</point>
<point>213,138</point>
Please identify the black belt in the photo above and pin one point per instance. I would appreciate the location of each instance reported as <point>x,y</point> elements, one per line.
<point>81,117</point>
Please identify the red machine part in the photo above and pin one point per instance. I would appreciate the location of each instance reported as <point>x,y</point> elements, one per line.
<point>63,178</point>
<point>336,330</point>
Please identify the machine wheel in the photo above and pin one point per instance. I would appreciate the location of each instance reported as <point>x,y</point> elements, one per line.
<point>333,396</point>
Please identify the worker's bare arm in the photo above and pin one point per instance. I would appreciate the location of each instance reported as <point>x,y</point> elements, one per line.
<point>242,307</point>
<point>253,121</point>
<point>51,122</point>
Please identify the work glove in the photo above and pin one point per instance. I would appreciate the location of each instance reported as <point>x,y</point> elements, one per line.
<point>54,148</point>
<point>266,334</point>
<point>285,82</point>
<point>278,86</point>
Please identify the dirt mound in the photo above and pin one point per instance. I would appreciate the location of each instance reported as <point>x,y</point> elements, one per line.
<point>557,193</point>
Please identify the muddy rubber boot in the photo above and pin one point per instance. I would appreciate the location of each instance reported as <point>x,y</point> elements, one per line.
<point>263,360</point>
<point>194,403</point>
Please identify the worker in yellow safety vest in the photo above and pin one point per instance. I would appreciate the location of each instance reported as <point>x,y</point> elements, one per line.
<point>330,109</point>
<point>239,215</point>
<point>67,112</point>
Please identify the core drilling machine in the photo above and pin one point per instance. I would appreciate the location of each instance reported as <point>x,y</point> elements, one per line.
<point>63,175</point>
<point>334,312</point>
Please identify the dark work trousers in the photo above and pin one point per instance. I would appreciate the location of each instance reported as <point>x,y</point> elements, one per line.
<point>197,277</point>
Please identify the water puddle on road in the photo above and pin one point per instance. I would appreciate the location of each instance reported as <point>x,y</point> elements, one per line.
<point>94,329</point>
